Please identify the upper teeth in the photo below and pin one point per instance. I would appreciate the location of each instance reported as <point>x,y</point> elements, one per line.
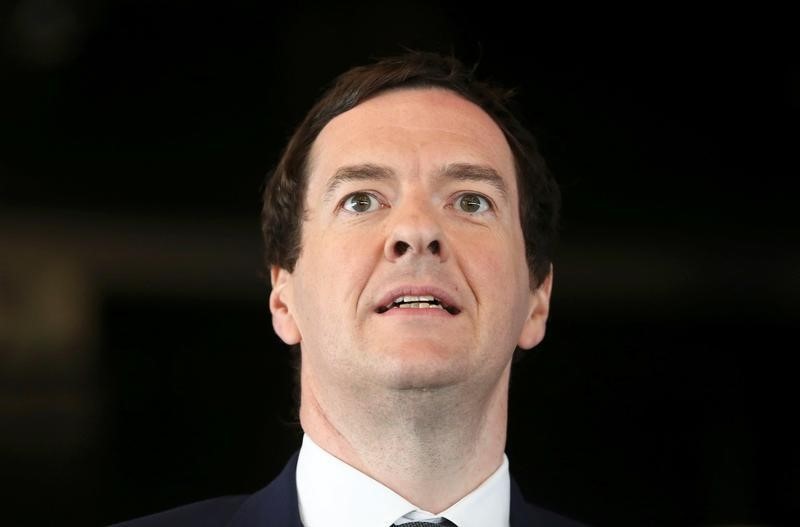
<point>409,301</point>
<point>423,298</point>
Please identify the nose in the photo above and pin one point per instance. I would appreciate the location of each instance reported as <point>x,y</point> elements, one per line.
<point>416,232</point>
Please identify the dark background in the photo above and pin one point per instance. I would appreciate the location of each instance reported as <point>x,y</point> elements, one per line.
<point>138,369</point>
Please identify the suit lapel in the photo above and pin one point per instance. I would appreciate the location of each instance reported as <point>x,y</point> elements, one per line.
<point>275,504</point>
<point>519,516</point>
<point>523,514</point>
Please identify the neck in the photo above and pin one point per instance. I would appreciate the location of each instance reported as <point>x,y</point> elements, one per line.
<point>431,446</point>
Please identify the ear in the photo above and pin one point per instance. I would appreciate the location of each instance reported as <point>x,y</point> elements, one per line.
<point>280,300</point>
<point>536,323</point>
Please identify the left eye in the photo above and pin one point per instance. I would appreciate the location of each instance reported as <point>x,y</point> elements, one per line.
<point>360,202</point>
<point>472,203</point>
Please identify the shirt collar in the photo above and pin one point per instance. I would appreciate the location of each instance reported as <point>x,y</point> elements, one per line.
<point>332,493</point>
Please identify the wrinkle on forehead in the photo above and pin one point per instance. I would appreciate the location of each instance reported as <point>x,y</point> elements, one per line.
<point>411,118</point>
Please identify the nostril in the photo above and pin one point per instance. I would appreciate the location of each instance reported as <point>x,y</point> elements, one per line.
<point>434,247</point>
<point>400,248</point>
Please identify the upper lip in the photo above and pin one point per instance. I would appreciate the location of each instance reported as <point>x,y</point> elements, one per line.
<point>445,298</point>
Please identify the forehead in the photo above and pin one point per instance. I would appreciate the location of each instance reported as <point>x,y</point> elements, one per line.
<point>412,128</point>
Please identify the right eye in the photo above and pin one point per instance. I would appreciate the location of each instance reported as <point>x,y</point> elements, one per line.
<point>359,202</point>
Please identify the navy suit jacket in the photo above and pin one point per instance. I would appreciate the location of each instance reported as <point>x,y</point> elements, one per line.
<point>276,506</point>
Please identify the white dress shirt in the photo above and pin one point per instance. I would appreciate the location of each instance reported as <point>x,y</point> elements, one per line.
<point>331,493</point>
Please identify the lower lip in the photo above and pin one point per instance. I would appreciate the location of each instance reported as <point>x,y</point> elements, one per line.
<point>416,311</point>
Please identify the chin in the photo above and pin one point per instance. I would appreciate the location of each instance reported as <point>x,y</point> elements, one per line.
<point>422,369</point>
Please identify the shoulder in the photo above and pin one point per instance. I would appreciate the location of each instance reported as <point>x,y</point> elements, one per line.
<point>215,512</point>
<point>538,516</point>
<point>524,514</point>
<point>275,504</point>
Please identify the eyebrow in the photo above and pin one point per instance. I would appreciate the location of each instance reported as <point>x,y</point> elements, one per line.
<point>365,172</point>
<point>479,173</point>
<point>454,171</point>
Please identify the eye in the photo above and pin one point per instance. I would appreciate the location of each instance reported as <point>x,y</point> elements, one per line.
<point>472,203</point>
<point>360,202</point>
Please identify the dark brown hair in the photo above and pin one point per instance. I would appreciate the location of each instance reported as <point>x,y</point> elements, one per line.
<point>284,193</point>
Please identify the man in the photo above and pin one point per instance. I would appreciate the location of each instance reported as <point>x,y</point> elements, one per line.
<point>408,230</point>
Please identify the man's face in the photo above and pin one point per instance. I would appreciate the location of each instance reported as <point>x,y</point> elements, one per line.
<point>410,194</point>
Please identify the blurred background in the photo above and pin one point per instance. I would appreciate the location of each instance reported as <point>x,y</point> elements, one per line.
<point>138,369</point>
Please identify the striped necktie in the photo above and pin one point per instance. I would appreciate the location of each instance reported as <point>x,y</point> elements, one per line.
<point>445,523</point>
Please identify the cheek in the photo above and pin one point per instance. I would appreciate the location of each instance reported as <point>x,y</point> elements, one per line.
<point>501,259</point>
<point>335,266</point>
<point>499,273</point>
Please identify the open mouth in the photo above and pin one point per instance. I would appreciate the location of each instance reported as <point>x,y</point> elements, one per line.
<point>418,302</point>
